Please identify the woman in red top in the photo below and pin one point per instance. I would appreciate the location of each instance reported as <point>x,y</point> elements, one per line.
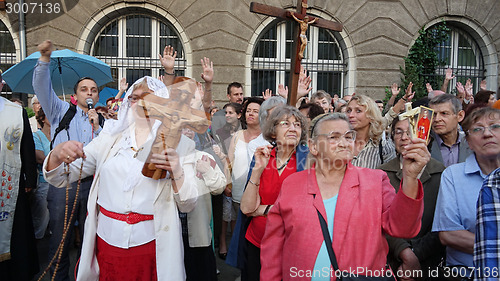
<point>286,127</point>
<point>366,208</point>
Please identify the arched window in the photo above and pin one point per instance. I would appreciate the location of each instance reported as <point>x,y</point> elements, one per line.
<point>462,54</point>
<point>7,51</point>
<point>131,44</point>
<point>323,58</point>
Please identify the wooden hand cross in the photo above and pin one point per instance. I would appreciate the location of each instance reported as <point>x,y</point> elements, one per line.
<point>174,113</point>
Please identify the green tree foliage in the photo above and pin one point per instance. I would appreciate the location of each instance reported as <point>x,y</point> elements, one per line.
<point>422,62</point>
<point>30,112</point>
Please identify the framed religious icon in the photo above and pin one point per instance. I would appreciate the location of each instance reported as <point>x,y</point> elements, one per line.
<point>115,105</point>
<point>424,123</point>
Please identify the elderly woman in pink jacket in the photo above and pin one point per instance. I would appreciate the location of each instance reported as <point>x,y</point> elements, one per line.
<point>357,205</point>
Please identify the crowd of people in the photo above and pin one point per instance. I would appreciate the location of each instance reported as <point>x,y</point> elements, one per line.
<point>151,185</point>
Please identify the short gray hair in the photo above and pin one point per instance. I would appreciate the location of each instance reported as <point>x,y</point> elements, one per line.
<point>321,94</point>
<point>270,103</point>
<point>339,103</point>
<point>444,98</point>
<point>279,114</point>
<point>316,122</point>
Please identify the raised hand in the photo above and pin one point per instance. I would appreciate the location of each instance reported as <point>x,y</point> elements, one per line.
<point>196,102</point>
<point>468,91</point>
<point>408,93</point>
<point>449,74</point>
<point>482,86</point>
<point>428,87</point>
<point>303,88</point>
<point>283,91</point>
<point>267,94</point>
<point>168,59</point>
<point>395,89</point>
<point>199,88</point>
<point>208,70</point>
<point>415,157</point>
<point>45,49</point>
<point>123,88</point>
<point>460,90</point>
<point>123,84</point>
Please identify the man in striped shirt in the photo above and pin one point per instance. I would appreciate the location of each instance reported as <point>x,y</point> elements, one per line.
<point>487,243</point>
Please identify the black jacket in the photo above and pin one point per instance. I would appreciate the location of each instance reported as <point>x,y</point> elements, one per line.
<point>426,244</point>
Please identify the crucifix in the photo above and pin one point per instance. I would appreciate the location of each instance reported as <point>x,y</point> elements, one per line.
<point>410,115</point>
<point>174,113</point>
<point>300,34</point>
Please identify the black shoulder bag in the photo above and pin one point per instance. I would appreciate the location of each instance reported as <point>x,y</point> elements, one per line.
<point>64,124</point>
<point>345,275</point>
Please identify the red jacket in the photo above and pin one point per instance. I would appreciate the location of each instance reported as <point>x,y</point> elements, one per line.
<point>367,208</point>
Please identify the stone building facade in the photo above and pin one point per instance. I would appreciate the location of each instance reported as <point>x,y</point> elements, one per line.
<point>248,48</point>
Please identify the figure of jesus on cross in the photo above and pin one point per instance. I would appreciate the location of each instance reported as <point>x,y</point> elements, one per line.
<point>174,113</point>
<point>304,21</point>
<point>304,24</point>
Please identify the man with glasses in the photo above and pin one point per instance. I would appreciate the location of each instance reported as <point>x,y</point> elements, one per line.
<point>424,252</point>
<point>448,145</point>
<point>82,127</point>
<point>456,215</point>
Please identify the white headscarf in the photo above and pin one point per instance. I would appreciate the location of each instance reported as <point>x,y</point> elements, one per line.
<point>125,118</point>
<point>125,121</point>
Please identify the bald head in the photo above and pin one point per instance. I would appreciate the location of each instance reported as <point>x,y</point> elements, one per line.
<point>435,93</point>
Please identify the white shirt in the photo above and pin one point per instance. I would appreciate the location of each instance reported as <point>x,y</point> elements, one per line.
<point>169,248</point>
<point>253,144</point>
<point>135,194</point>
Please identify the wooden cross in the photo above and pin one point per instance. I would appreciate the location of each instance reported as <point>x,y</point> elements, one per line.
<point>174,113</point>
<point>305,20</point>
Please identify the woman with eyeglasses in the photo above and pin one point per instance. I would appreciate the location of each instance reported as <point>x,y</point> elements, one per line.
<point>132,230</point>
<point>357,205</point>
<point>422,253</point>
<point>286,128</point>
<point>455,215</point>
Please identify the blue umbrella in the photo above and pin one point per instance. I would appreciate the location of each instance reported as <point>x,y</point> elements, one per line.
<point>66,67</point>
<point>105,94</point>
